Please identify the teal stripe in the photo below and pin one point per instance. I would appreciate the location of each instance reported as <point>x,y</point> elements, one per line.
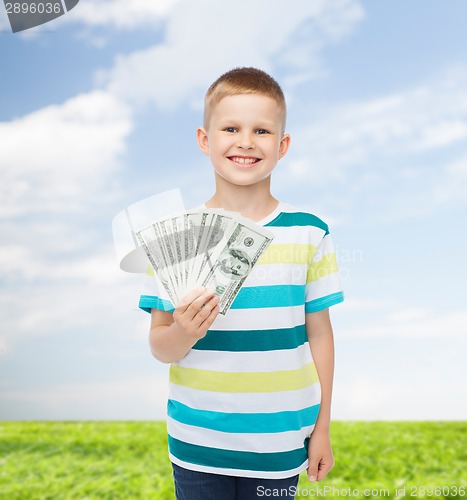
<point>290,219</point>
<point>281,421</point>
<point>247,298</point>
<point>253,340</point>
<point>269,296</point>
<point>324,302</point>
<point>242,460</point>
<point>148,302</point>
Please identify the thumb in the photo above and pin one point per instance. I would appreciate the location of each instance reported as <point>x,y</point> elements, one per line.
<point>312,470</point>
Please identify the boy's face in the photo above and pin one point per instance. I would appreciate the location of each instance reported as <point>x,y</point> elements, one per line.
<point>244,138</point>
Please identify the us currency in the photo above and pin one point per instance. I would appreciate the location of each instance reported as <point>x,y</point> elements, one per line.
<point>235,261</point>
<point>151,242</point>
<point>215,237</point>
<point>169,229</point>
<point>205,247</point>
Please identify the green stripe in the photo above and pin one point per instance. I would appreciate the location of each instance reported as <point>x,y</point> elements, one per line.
<point>241,460</point>
<point>281,421</point>
<point>253,340</point>
<point>290,219</point>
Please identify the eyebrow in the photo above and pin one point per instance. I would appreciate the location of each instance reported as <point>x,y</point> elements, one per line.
<point>260,122</point>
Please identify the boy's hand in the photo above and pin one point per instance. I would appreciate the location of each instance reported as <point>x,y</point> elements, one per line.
<point>196,312</point>
<point>320,457</point>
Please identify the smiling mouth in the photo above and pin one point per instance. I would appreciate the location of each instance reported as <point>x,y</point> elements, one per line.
<point>242,160</point>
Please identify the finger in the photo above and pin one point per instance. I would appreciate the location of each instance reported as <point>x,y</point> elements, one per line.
<point>200,302</point>
<point>190,297</point>
<point>210,303</point>
<point>203,311</point>
<point>312,471</point>
<point>211,317</point>
<point>323,471</point>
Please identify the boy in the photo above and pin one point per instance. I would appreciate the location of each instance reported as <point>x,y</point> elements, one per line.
<point>250,393</point>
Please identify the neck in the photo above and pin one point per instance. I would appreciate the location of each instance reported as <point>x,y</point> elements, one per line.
<point>254,202</point>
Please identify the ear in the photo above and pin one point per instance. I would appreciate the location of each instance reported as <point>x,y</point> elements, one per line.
<point>202,139</point>
<point>284,145</point>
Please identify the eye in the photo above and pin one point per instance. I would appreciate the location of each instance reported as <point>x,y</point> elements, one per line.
<point>230,129</point>
<point>262,131</point>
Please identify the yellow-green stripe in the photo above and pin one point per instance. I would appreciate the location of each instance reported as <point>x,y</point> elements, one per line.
<point>327,265</point>
<point>216,381</point>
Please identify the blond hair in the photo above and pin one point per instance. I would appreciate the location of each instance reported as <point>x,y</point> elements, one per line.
<point>243,81</point>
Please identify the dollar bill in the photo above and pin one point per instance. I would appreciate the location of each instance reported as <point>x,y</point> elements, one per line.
<point>214,248</point>
<point>235,261</point>
<point>151,242</point>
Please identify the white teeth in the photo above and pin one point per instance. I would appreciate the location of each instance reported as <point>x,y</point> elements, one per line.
<point>238,159</point>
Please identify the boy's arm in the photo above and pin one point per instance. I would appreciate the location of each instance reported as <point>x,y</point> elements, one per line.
<point>172,335</point>
<point>321,339</point>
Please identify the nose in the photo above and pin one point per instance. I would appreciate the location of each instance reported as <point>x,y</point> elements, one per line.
<point>245,141</point>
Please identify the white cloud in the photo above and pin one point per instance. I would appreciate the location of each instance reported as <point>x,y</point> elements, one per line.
<point>121,14</point>
<point>420,395</point>
<point>195,52</point>
<point>51,158</point>
<point>451,187</point>
<point>118,14</point>
<point>399,363</point>
<point>44,298</point>
<point>398,156</point>
<point>58,266</point>
<point>389,319</point>
<point>133,398</point>
<point>353,135</point>
<point>367,304</point>
<point>57,164</point>
<point>441,134</point>
<point>410,314</point>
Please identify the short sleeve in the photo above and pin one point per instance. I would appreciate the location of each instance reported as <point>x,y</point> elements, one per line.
<point>154,295</point>
<point>323,282</point>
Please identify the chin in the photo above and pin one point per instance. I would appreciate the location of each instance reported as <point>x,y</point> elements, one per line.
<point>242,180</point>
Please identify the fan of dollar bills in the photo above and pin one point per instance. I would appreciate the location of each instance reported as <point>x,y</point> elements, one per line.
<point>204,247</point>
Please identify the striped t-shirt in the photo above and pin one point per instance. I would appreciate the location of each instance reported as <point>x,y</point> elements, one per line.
<point>245,399</point>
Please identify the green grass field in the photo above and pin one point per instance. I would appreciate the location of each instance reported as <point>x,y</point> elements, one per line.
<point>128,460</point>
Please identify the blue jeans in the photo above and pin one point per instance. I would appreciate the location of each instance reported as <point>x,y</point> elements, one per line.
<point>194,485</point>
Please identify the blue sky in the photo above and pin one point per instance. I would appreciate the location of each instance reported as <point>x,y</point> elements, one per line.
<point>98,109</point>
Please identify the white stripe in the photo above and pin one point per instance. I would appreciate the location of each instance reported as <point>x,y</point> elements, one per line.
<point>252,361</point>
<point>282,274</point>
<point>260,319</point>
<point>326,247</point>
<point>240,402</point>
<point>240,472</point>
<point>322,287</point>
<point>261,443</point>
<point>153,287</point>
<point>305,235</point>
